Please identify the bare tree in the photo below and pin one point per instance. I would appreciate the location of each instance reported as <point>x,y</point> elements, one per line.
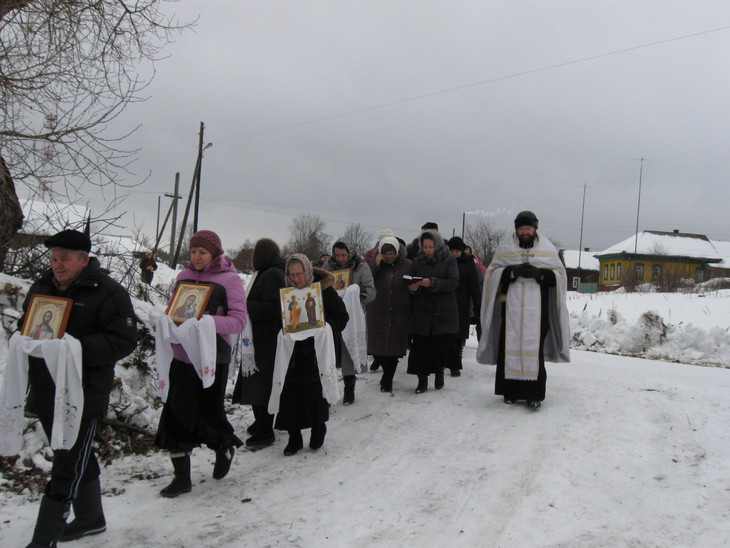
<point>630,280</point>
<point>483,239</point>
<point>306,235</point>
<point>69,68</point>
<point>242,257</point>
<point>357,239</point>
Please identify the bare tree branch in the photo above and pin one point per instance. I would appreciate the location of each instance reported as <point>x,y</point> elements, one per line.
<point>307,236</point>
<point>68,68</point>
<point>483,239</point>
<point>358,240</point>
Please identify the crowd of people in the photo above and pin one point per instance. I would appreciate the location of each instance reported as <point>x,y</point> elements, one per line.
<point>416,300</point>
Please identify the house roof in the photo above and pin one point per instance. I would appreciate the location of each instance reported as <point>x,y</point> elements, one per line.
<point>587,259</point>
<point>677,244</point>
<point>723,248</point>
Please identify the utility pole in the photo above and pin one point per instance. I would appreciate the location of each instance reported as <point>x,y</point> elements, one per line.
<point>175,197</point>
<point>194,192</point>
<point>638,208</point>
<point>582,212</point>
<point>198,167</point>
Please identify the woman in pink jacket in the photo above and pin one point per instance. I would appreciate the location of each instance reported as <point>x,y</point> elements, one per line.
<point>193,415</point>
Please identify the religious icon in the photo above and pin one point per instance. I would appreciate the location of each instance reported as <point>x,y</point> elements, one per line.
<point>301,309</point>
<point>189,301</point>
<point>47,317</point>
<point>343,278</point>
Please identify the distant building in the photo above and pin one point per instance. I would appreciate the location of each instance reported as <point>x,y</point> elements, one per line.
<point>582,270</point>
<point>664,259</point>
<point>721,269</point>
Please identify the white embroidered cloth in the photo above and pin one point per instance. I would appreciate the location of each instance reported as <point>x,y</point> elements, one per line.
<point>244,348</point>
<point>245,358</point>
<point>63,360</point>
<point>522,331</point>
<point>354,333</point>
<point>197,337</point>
<point>324,346</point>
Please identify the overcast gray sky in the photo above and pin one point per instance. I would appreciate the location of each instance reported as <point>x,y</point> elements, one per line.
<point>393,113</point>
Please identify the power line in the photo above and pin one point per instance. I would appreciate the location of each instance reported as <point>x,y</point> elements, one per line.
<point>473,84</point>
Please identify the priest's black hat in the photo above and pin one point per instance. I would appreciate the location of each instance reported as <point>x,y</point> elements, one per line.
<point>526,218</point>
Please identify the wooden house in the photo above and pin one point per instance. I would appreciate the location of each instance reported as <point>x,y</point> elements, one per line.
<point>664,259</point>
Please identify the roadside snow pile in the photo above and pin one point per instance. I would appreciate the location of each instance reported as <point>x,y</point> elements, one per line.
<point>689,328</point>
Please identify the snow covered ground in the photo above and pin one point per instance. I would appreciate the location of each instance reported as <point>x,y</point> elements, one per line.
<point>625,452</point>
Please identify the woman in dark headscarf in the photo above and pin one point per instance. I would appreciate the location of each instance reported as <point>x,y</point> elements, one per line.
<point>468,296</point>
<point>253,386</point>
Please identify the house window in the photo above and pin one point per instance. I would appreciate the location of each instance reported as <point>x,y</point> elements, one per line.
<point>639,272</point>
<point>618,271</point>
<point>656,272</point>
<point>700,275</point>
<point>605,272</point>
<point>613,271</point>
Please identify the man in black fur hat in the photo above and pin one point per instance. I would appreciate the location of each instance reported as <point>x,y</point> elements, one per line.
<point>102,320</point>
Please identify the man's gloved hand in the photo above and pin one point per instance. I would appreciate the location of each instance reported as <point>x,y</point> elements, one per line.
<point>526,270</point>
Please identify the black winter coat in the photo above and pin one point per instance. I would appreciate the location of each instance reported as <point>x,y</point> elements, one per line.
<point>264,311</point>
<point>387,316</point>
<point>103,320</point>
<point>433,309</point>
<point>468,292</point>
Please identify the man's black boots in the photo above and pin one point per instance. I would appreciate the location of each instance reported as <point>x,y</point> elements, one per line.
<point>88,513</point>
<point>50,523</point>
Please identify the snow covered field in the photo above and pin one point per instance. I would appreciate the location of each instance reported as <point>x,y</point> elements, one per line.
<point>624,452</point>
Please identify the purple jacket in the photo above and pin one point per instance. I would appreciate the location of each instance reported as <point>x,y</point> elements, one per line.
<point>227,304</point>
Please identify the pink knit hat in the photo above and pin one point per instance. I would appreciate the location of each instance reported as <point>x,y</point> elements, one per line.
<point>208,240</point>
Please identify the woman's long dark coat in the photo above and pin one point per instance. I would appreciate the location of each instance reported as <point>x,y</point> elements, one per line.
<point>433,309</point>
<point>467,292</point>
<point>264,311</point>
<point>388,315</point>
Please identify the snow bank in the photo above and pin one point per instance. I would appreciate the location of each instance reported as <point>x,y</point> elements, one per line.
<point>690,328</point>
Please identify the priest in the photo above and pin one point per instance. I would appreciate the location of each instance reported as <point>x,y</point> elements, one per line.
<point>523,314</point>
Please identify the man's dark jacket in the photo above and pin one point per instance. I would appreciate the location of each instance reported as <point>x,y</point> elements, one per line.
<point>103,320</point>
